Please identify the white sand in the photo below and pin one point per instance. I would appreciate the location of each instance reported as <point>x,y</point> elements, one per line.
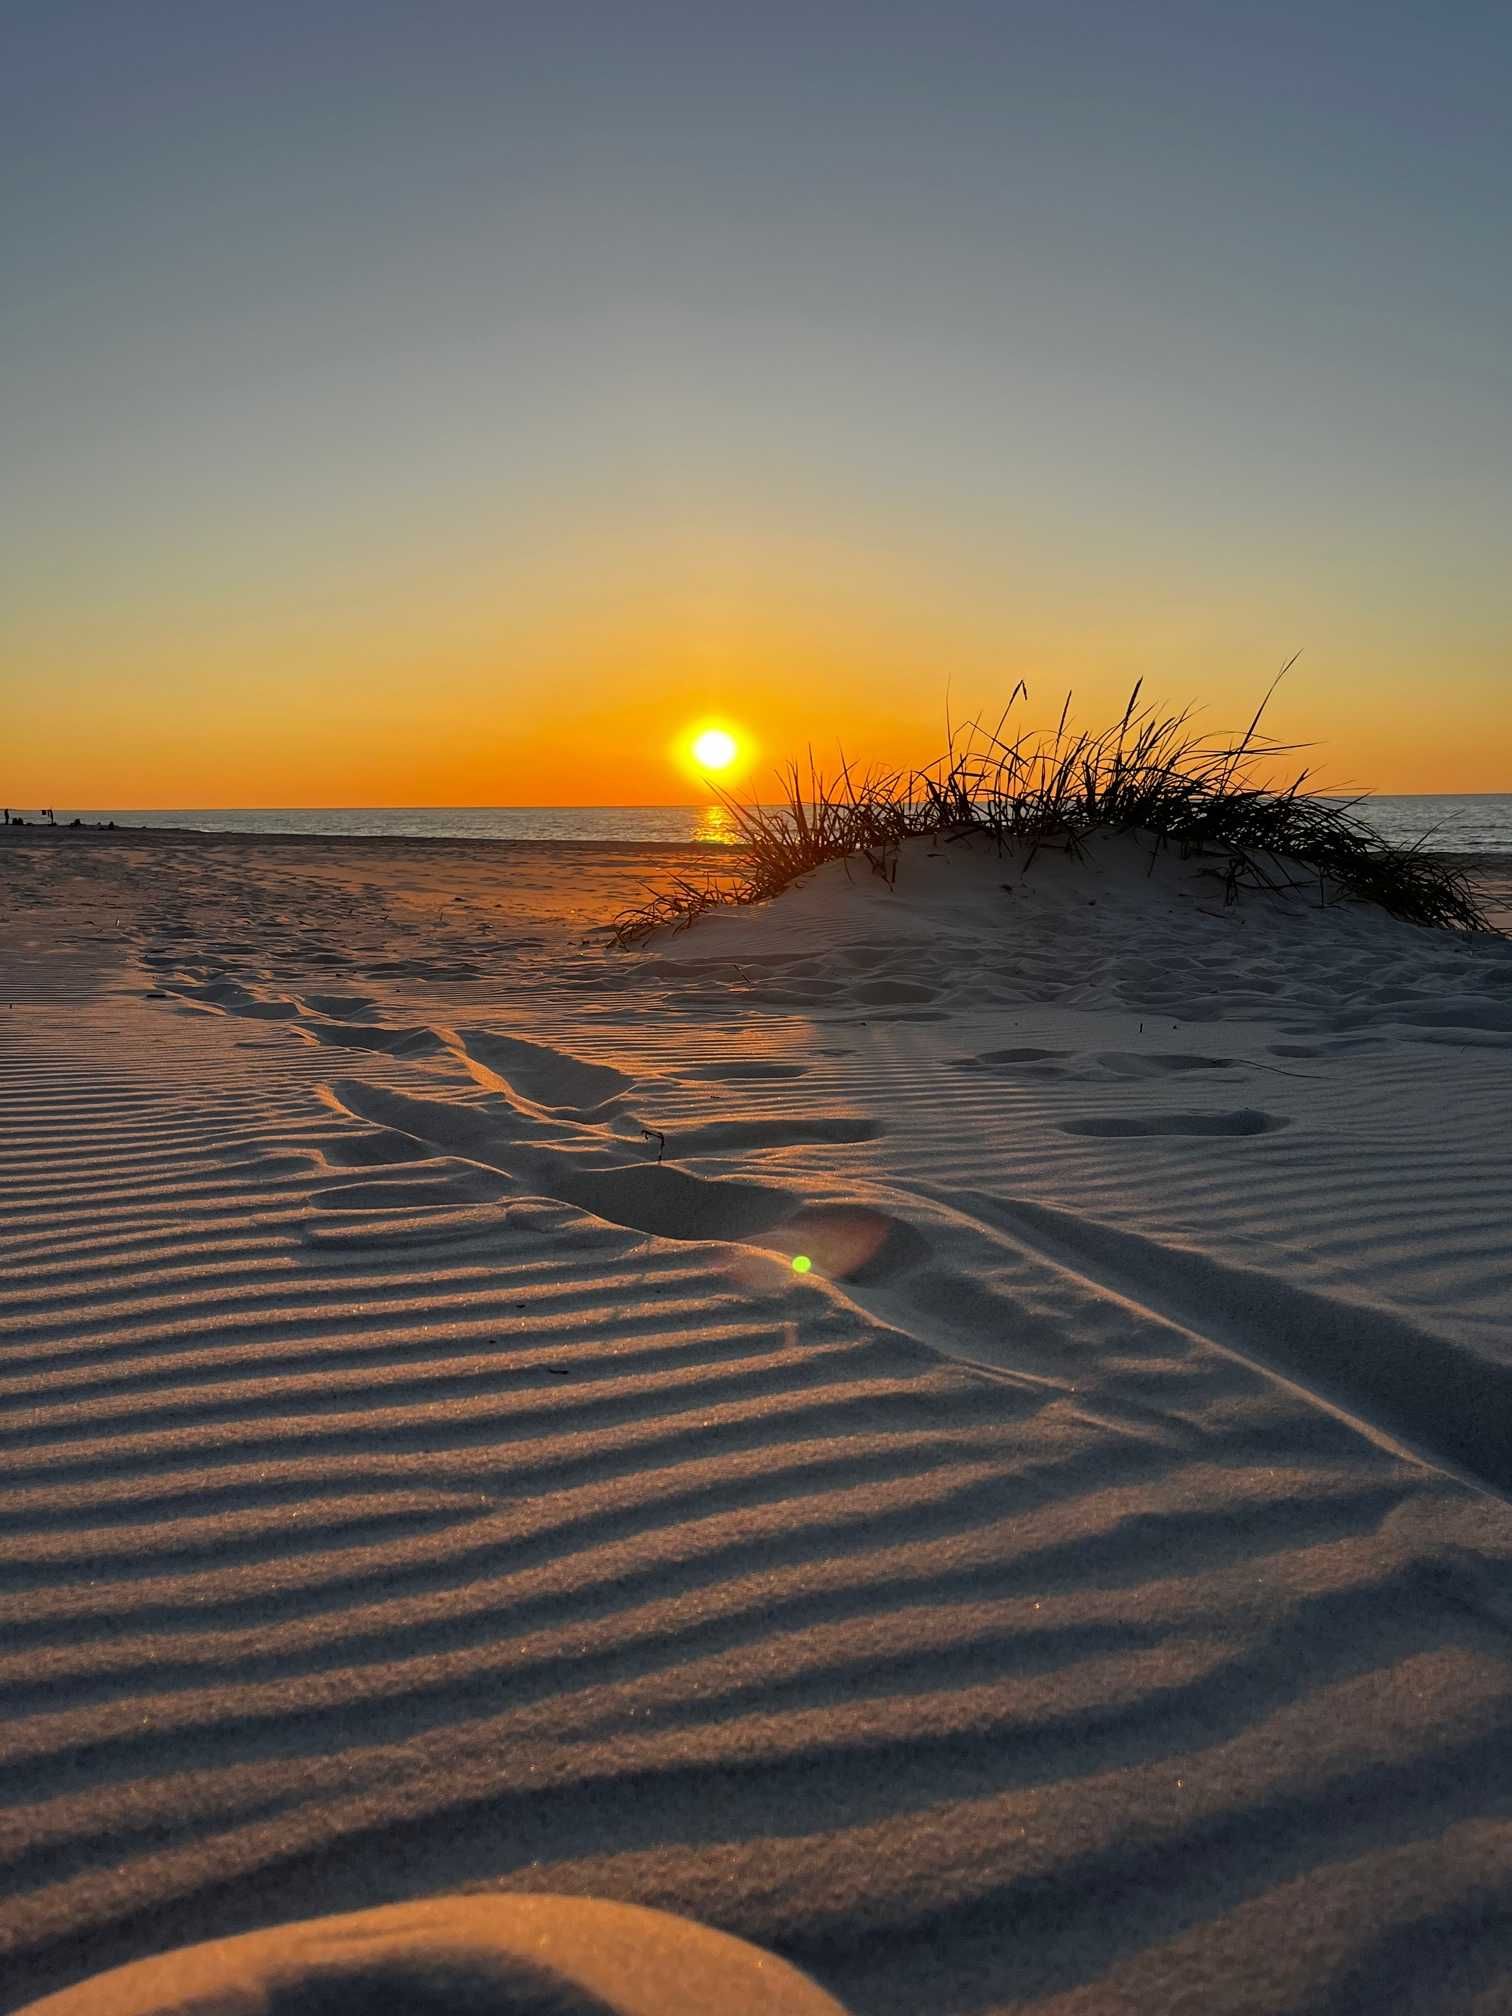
<point>1088,1588</point>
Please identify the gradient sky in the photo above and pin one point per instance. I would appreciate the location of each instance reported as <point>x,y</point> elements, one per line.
<point>445,403</point>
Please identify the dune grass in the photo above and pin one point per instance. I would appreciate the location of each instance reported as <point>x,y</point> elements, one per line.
<point>1148,773</point>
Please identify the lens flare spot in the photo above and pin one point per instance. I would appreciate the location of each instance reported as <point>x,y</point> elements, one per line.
<point>801,1263</point>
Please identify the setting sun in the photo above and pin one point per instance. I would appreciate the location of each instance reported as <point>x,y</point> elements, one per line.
<point>715,749</point>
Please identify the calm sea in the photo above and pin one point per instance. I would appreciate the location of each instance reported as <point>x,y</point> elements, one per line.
<point>1475,824</point>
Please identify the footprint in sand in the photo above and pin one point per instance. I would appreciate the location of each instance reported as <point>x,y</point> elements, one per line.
<point>229,997</point>
<point>1135,1126</point>
<point>736,1069</point>
<point>540,1074</point>
<point>892,993</point>
<point>341,1007</point>
<point>403,1042</point>
<point>373,1148</point>
<point>1023,1058</point>
<point>790,1130</point>
<point>1342,1047</point>
<point>436,1184</point>
<point>1158,1063</point>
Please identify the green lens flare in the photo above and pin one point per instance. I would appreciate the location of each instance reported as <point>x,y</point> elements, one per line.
<point>801,1263</point>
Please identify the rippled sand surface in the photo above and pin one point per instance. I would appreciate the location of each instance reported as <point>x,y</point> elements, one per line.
<point>423,1466</point>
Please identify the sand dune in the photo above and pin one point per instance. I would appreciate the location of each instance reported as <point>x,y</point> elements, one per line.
<point>424,1469</point>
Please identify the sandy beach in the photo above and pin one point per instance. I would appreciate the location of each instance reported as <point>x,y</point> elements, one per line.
<point>958,1431</point>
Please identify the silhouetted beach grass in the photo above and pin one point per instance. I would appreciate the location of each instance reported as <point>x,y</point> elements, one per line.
<point>1149,773</point>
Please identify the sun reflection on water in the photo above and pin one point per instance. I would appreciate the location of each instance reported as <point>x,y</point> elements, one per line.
<point>716,823</point>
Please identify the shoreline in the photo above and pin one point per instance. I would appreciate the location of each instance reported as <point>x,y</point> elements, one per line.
<point>218,836</point>
<point>1490,871</point>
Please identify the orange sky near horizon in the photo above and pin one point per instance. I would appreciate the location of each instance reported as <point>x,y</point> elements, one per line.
<point>600,711</point>
<point>300,751</point>
<point>227,761</point>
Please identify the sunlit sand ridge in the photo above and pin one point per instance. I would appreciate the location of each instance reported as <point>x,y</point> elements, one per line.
<point>425,1469</point>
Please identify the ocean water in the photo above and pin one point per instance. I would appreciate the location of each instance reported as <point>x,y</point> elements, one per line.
<point>676,823</point>
<point>1480,823</point>
<point>1472,823</point>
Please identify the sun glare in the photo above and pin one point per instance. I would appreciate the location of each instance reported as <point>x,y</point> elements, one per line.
<point>714,750</point>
